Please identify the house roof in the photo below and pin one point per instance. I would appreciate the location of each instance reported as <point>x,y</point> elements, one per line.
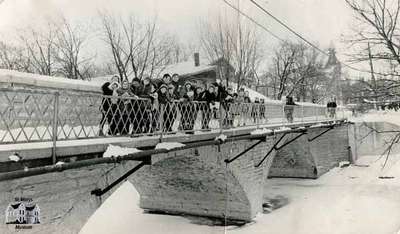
<point>30,207</point>
<point>15,205</point>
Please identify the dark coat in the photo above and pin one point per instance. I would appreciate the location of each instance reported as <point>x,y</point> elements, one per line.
<point>163,98</point>
<point>206,96</point>
<point>331,105</point>
<point>289,101</point>
<point>138,90</point>
<point>106,89</point>
<point>106,92</point>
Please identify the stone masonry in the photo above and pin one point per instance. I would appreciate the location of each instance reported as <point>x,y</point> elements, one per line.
<point>304,159</point>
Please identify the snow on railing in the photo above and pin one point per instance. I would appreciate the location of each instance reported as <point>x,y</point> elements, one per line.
<point>32,116</point>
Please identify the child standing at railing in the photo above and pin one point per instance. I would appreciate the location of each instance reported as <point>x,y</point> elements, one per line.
<point>110,106</point>
<point>189,111</point>
<point>124,107</point>
<point>165,108</point>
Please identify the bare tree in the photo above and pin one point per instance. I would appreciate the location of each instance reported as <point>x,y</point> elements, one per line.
<point>236,43</point>
<point>377,33</point>
<point>56,49</point>
<point>297,70</point>
<point>40,48</point>
<point>14,58</point>
<point>282,66</point>
<point>68,46</point>
<point>137,48</point>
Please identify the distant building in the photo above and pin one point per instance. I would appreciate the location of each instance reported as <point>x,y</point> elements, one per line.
<point>333,70</point>
<point>201,71</point>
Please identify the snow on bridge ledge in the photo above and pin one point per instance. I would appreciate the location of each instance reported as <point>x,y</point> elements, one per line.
<point>15,78</point>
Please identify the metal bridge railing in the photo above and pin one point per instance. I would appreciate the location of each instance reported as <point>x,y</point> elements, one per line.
<point>37,116</point>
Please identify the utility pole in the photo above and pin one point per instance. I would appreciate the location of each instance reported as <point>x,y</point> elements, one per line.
<point>372,76</point>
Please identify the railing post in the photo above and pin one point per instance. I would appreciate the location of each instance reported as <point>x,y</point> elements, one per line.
<point>161,121</point>
<point>316,113</point>
<point>257,112</point>
<point>284,119</point>
<point>221,118</point>
<point>55,126</point>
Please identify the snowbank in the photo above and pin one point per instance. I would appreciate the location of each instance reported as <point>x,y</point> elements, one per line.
<point>115,151</point>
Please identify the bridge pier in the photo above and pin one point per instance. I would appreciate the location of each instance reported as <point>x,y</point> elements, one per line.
<point>198,181</point>
<point>313,154</point>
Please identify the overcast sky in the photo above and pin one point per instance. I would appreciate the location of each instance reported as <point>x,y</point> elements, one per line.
<point>320,21</point>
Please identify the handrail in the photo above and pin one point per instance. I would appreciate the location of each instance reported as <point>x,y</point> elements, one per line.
<point>37,116</point>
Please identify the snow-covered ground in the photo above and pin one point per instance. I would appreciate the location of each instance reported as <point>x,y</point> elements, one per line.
<point>360,199</point>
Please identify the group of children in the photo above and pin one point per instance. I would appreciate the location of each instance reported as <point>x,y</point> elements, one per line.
<point>145,106</point>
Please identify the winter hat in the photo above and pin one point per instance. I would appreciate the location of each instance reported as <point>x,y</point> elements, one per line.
<point>188,83</point>
<point>166,75</point>
<point>136,80</point>
<point>163,86</point>
<point>175,75</point>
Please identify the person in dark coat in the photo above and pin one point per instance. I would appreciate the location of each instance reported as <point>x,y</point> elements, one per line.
<point>175,104</point>
<point>109,105</point>
<point>147,94</point>
<point>189,112</point>
<point>165,108</point>
<point>254,110</point>
<point>262,108</point>
<point>125,108</point>
<point>220,91</point>
<point>186,88</point>
<point>289,108</point>
<point>210,98</point>
<point>331,106</point>
<point>227,104</point>
<point>207,96</point>
<point>176,83</point>
<point>166,79</point>
<point>138,106</point>
<point>247,97</point>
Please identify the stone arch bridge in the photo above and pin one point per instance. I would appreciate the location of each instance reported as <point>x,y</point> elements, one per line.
<point>52,153</point>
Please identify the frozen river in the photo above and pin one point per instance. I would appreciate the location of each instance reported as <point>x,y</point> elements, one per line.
<point>363,198</point>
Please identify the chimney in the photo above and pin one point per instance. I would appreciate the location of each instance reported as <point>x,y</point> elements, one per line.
<point>196,59</point>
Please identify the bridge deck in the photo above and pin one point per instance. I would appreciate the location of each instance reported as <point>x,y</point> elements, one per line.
<point>67,148</point>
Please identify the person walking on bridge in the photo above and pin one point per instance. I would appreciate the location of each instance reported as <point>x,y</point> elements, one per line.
<point>289,108</point>
<point>331,106</point>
